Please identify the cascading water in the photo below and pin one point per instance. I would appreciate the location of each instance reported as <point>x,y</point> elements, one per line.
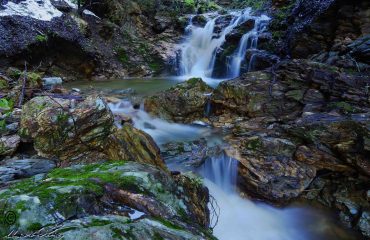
<point>161,131</point>
<point>247,42</point>
<point>241,219</point>
<point>198,52</point>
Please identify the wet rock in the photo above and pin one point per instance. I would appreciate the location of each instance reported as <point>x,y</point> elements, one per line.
<point>83,131</point>
<point>267,168</point>
<point>260,60</point>
<point>51,81</point>
<point>133,144</point>
<point>253,95</point>
<point>360,49</point>
<point>199,20</point>
<point>185,102</point>
<point>9,144</point>
<point>234,36</point>
<point>92,194</point>
<point>347,195</point>
<point>60,129</point>
<point>188,156</point>
<point>111,227</point>
<point>341,135</point>
<point>13,169</point>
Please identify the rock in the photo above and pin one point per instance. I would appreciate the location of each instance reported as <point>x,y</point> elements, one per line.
<point>21,168</point>
<point>185,102</point>
<point>253,95</point>
<point>360,49</point>
<point>341,135</point>
<point>83,131</point>
<point>199,20</point>
<point>9,144</point>
<point>64,131</point>
<point>92,194</point>
<point>51,81</point>
<point>133,144</point>
<point>267,168</point>
<point>110,227</point>
<point>346,195</point>
<point>259,60</point>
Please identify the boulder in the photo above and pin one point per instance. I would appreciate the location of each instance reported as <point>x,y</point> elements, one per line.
<point>131,143</point>
<point>185,102</point>
<point>9,144</point>
<point>268,170</point>
<point>349,196</point>
<point>82,131</point>
<point>14,169</point>
<point>59,129</point>
<point>87,197</point>
<point>253,95</point>
<point>335,135</point>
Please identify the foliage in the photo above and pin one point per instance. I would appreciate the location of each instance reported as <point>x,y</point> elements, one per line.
<point>6,105</point>
<point>41,38</point>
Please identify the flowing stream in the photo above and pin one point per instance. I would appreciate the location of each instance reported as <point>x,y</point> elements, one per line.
<point>202,44</point>
<point>238,218</point>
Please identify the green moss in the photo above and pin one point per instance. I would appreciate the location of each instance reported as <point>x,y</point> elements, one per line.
<point>254,143</point>
<point>255,4</point>
<point>155,66</point>
<point>194,81</point>
<point>169,224</point>
<point>99,222</point>
<point>6,105</point>
<point>117,233</point>
<point>343,107</point>
<point>122,56</point>
<point>157,236</point>
<point>3,84</point>
<point>34,227</point>
<point>41,38</point>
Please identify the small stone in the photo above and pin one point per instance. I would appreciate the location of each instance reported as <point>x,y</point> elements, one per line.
<point>51,81</point>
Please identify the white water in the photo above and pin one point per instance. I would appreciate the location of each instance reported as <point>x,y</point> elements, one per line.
<point>248,41</point>
<point>242,219</point>
<point>198,52</point>
<point>160,130</point>
<point>239,218</point>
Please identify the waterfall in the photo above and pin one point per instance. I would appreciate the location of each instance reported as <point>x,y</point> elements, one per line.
<point>247,42</point>
<point>241,219</point>
<point>221,170</point>
<point>199,50</point>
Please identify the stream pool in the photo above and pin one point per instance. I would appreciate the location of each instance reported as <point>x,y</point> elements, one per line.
<point>239,218</point>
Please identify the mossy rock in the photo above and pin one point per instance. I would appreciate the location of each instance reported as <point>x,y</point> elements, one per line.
<point>184,102</point>
<point>81,191</point>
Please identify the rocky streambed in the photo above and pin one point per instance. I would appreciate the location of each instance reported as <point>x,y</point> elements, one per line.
<point>277,147</point>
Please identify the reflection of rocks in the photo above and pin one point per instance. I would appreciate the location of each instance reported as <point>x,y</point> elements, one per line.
<point>94,193</point>
<point>184,102</point>
<point>348,195</point>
